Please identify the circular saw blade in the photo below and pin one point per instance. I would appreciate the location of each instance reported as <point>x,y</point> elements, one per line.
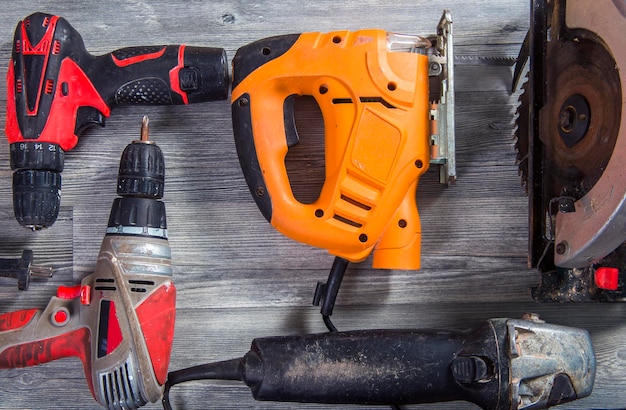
<point>583,91</point>
<point>577,128</point>
<point>580,121</point>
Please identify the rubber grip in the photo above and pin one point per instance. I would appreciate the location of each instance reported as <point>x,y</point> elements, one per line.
<point>16,320</point>
<point>248,59</point>
<point>75,343</point>
<point>162,75</point>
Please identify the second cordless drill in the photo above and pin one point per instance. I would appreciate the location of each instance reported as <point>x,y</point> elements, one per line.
<point>120,319</point>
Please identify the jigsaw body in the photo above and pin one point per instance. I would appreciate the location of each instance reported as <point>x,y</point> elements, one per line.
<point>373,91</point>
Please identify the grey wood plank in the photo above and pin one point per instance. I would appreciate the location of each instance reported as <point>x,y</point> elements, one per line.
<point>238,278</point>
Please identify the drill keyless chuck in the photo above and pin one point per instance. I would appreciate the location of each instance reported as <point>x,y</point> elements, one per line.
<point>142,168</point>
<point>140,184</point>
<point>36,182</point>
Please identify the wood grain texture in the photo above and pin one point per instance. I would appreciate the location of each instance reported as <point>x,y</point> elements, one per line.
<point>238,278</point>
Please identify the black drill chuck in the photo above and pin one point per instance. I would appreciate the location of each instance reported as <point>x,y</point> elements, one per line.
<point>36,182</point>
<point>140,183</point>
<point>142,171</point>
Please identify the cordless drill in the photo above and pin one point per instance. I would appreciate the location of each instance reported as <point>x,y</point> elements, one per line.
<point>501,364</point>
<point>56,89</point>
<point>120,320</point>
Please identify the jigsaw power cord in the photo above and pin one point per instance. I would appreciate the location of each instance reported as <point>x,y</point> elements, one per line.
<point>326,293</point>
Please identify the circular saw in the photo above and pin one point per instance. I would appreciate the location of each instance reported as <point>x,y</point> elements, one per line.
<point>571,142</point>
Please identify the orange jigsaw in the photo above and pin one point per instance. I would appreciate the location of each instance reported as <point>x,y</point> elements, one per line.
<point>373,91</point>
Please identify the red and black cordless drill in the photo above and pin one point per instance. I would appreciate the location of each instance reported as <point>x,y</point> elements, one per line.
<point>120,320</point>
<point>55,89</point>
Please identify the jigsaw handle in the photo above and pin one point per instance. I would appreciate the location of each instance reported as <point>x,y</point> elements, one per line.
<point>375,109</point>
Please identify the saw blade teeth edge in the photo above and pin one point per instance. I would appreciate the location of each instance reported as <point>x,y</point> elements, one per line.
<point>521,134</point>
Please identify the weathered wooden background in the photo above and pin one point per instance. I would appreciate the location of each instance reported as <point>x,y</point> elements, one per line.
<point>236,276</point>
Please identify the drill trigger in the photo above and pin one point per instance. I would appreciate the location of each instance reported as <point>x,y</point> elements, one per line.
<point>87,117</point>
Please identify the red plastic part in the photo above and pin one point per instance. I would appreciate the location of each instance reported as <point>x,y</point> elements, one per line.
<point>607,278</point>
<point>114,333</point>
<point>68,292</point>
<point>157,316</point>
<point>16,320</point>
<point>61,317</point>
<point>85,295</point>
<point>11,126</point>
<point>62,117</point>
<point>40,49</point>
<point>174,79</point>
<point>137,59</point>
<point>75,343</point>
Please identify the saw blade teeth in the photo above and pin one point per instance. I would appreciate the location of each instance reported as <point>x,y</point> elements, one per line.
<point>521,134</point>
<point>505,61</point>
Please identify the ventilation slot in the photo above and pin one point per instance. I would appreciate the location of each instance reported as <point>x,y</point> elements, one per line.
<point>49,86</point>
<point>56,47</point>
<point>356,203</point>
<point>140,282</point>
<point>342,100</point>
<point>104,287</point>
<point>347,221</point>
<point>18,86</point>
<point>119,390</point>
<point>109,288</point>
<point>379,100</point>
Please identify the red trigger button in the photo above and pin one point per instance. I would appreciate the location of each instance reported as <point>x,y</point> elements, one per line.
<point>68,292</point>
<point>85,295</point>
<point>73,292</point>
<point>607,278</point>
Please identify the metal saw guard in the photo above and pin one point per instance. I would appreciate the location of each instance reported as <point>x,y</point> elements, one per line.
<point>598,224</point>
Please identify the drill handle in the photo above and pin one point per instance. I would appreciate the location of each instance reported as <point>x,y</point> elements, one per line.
<point>56,88</point>
<point>161,75</point>
<point>31,337</point>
